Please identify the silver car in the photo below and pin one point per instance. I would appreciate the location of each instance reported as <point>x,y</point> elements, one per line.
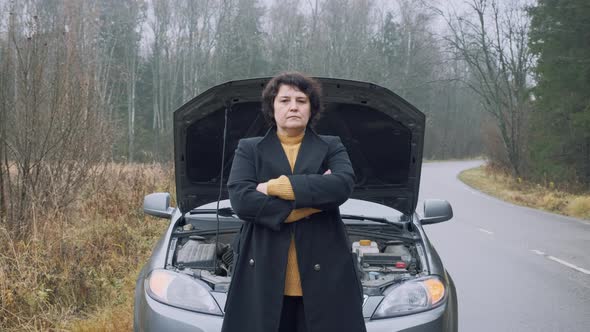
<point>184,284</point>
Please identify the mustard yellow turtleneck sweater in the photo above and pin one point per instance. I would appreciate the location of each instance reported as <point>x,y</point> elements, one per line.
<point>281,187</point>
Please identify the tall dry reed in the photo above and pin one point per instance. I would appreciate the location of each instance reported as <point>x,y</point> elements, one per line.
<point>82,262</point>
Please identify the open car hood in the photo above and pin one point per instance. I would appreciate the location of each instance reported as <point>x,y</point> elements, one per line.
<point>383,134</point>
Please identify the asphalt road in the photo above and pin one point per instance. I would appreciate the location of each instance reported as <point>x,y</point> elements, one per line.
<point>515,268</point>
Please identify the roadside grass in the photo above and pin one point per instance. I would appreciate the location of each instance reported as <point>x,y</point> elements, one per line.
<point>76,271</point>
<point>114,315</point>
<point>427,161</point>
<point>515,190</point>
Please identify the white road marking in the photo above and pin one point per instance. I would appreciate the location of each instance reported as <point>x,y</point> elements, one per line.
<point>486,231</point>
<point>561,261</point>
<point>570,265</point>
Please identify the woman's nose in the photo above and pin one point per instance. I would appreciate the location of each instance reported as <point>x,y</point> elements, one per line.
<point>293,106</point>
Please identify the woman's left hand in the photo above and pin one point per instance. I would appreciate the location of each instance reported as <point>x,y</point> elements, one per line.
<point>263,188</point>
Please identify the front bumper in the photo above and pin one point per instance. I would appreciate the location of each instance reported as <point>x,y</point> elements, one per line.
<point>155,316</point>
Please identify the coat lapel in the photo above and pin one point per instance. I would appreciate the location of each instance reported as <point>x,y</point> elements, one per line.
<point>311,153</point>
<point>271,150</point>
<point>309,159</point>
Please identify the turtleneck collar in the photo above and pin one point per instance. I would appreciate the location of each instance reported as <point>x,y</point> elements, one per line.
<point>291,140</point>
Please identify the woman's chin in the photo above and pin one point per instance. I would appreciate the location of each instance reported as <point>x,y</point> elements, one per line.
<point>294,128</point>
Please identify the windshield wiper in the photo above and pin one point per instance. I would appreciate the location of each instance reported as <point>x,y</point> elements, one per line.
<point>223,212</point>
<point>229,212</point>
<point>376,219</point>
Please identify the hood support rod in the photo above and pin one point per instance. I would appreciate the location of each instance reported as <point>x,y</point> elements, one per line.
<point>227,110</point>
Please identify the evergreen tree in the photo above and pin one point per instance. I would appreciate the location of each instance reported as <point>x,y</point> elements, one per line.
<point>560,141</point>
<point>239,40</point>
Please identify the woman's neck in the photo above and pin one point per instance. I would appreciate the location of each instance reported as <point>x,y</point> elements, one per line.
<point>290,132</point>
<point>290,140</point>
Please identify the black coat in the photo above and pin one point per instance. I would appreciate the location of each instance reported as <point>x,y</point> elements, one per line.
<point>332,293</point>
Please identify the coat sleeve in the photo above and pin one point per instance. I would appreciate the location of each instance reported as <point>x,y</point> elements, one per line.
<point>248,203</point>
<point>326,192</point>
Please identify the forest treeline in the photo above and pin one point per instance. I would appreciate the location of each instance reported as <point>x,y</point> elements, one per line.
<point>86,82</point>
<point>141,60</point>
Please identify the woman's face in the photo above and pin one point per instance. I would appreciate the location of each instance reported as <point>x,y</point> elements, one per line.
<point>292,110</point>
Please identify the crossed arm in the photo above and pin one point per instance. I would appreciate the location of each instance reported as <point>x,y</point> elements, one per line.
<point>281,188</point>
<point>311,193</point>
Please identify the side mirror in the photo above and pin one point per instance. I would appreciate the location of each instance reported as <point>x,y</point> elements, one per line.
<point>435,211</point>
<point>158,205</point>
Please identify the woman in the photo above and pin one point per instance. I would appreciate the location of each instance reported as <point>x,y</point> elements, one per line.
<point>294,267</point>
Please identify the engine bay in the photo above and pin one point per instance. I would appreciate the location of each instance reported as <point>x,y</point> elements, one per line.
<point>383,263</point>
<point>380,260</point>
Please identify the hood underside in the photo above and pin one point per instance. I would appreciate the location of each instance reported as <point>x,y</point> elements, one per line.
<point>383,134</point>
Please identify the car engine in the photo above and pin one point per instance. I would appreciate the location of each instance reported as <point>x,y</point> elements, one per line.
<point>382,264</point>
<point>378,263</point>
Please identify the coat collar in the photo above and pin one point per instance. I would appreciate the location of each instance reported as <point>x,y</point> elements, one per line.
<point>309,159</point>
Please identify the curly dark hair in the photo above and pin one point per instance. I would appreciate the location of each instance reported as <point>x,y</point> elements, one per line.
<point>305,84</point>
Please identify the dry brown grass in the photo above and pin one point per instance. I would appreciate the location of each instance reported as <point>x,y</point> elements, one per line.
<point>517,191</point>
<point>579,206</point>
<point>76,271</point>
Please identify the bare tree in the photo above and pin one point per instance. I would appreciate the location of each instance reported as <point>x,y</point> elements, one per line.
<point>493,43</point>
<point>54,135</point>
<point>160,26</point>
<point>5,95</point>
<point>133,27</point>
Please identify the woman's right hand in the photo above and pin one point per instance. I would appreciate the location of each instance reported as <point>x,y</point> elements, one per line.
<point>263,188</point>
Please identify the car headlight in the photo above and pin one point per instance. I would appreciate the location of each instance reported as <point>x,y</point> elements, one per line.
<point>410,297</point>
<point>182,291</point>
